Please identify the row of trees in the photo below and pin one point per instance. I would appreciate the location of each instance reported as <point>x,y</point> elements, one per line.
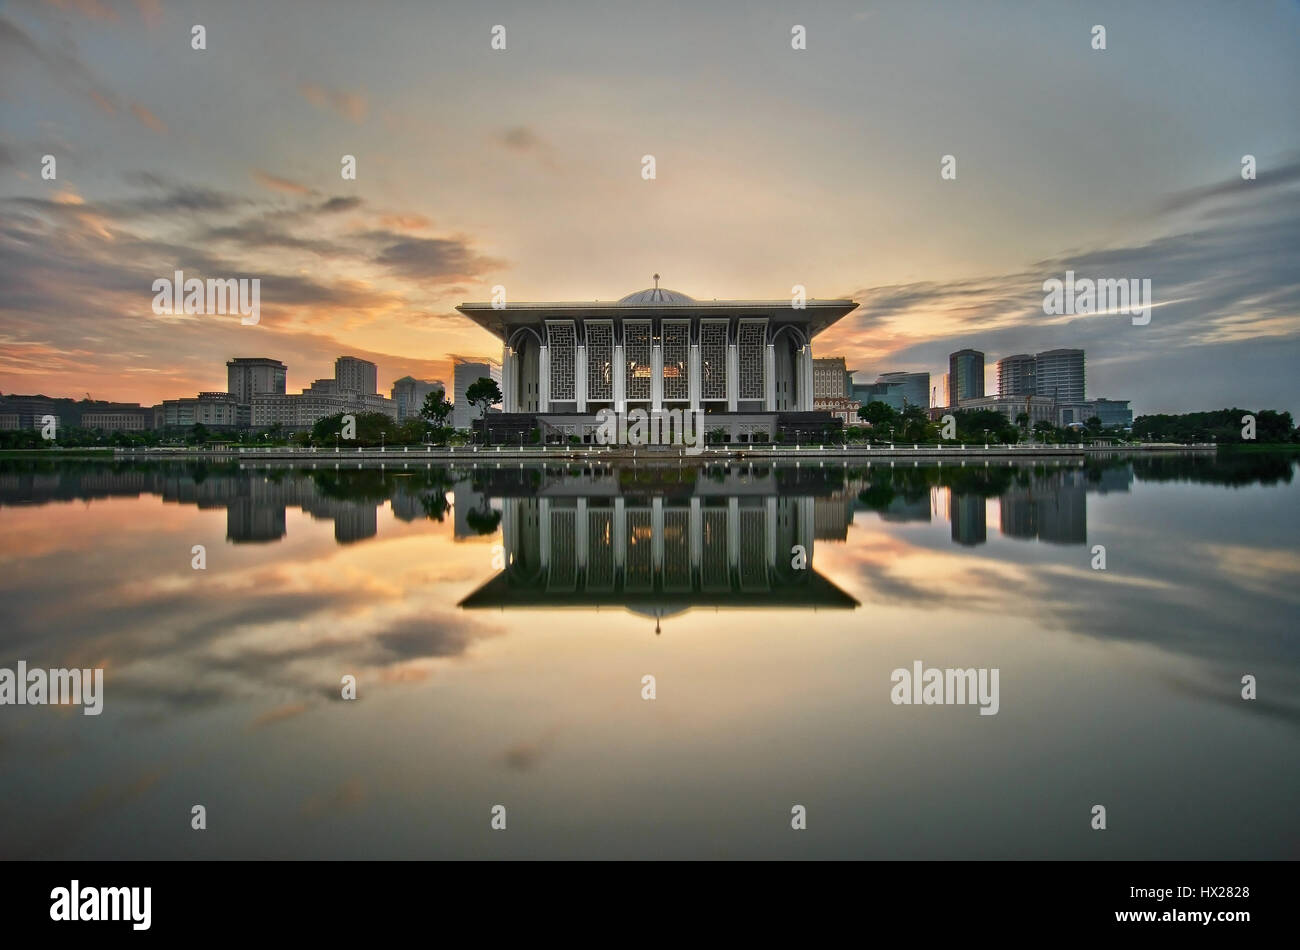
<point>1220,425</point>
<point>913,424</point>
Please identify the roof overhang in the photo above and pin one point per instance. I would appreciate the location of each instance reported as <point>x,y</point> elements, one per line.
<point>815,316</point>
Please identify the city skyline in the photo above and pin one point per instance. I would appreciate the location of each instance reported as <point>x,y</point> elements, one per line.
<point>466,191</point>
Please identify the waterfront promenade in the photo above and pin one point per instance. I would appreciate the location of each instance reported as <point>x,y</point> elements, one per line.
<point>715,452</point>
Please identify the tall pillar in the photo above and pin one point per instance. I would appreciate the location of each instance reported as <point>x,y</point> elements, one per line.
<point>620,378</point>
<point>543,379</point>
<point>693,383</point>
<point>508,380</point>
<point>580,376</point>
<point>733,370</point>
<point>769,378</point>
<point>656,375</point>
<point>806,378</point>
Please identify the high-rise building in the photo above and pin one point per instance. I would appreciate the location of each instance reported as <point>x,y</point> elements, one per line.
<point>965,376</point>
<point>357,375</point>
<point>465,374</point>
<point>1059,375</point>
<point>1016,375</point>
<point>1114,412</point>
<point>247,377</point>
<point>351,390</point>
<point>409,394</point>
<point>906,389</point>
<point>830,378</point>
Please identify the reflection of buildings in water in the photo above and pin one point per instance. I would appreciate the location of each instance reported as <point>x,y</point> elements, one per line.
<point>969,525</point>
<point>353,521</point>
<point>832,517</point>
<point>1119,478</point>
<point>907,509</point>
<point>657,554</point>
<point>1050,508</point>
<point>249,522</point>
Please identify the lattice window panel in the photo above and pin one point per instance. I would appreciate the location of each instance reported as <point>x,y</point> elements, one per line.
<point>600,549</point>
<point>638,561</point>
<point>600,362</point>
<point>677,550</point>
<point>564,551</point>
<point>753,549</point>
<point>562,350</point>
<point>713,361</point>
<point>636,353</point>
<point>677,360</point>
<point>715,570</point>
<point>750,341</point>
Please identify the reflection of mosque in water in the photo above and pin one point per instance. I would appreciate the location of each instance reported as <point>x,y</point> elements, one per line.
<point>660,555</point>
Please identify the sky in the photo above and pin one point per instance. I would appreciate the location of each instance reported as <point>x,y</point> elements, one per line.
<point>774,167</point>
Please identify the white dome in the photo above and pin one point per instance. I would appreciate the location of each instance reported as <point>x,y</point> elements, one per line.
<point>661,295</point>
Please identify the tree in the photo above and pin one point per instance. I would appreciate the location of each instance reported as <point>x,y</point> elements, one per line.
<point>1093,424</point>
<point>1022,420</point>
<point>878,414</point>
<point>435,411</point>
<point>482,393</point>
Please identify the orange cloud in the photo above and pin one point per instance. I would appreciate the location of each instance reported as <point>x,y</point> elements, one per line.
<point>148,118</point>
<point>276,183</point>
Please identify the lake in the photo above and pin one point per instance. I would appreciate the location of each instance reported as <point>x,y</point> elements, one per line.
<point>500,622</point>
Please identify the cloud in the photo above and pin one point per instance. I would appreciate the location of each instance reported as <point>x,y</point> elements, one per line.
<point>276,183</point>
<point>521,138</point>
<point>440,260</point>
<point>350,105</point>
<point>1227,292</point>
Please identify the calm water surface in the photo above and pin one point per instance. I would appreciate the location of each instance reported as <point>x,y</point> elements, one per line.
<point>499,621</point>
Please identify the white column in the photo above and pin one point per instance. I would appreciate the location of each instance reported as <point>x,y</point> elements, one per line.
<point>656,376</point>
<point>507,380</point>
<point>620,379</point>
<point>733,369</point>
<point>806,378</point>
<point>543,379</point>
<point>580,376</point>
<point>769,379</point>
<point>693,383</point>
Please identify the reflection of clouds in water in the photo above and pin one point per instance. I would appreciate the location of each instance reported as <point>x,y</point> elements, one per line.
<point>349,795</point>
<point>1229,606</point>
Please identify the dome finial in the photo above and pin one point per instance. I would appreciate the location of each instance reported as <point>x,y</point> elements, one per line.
<point>656,281</point>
